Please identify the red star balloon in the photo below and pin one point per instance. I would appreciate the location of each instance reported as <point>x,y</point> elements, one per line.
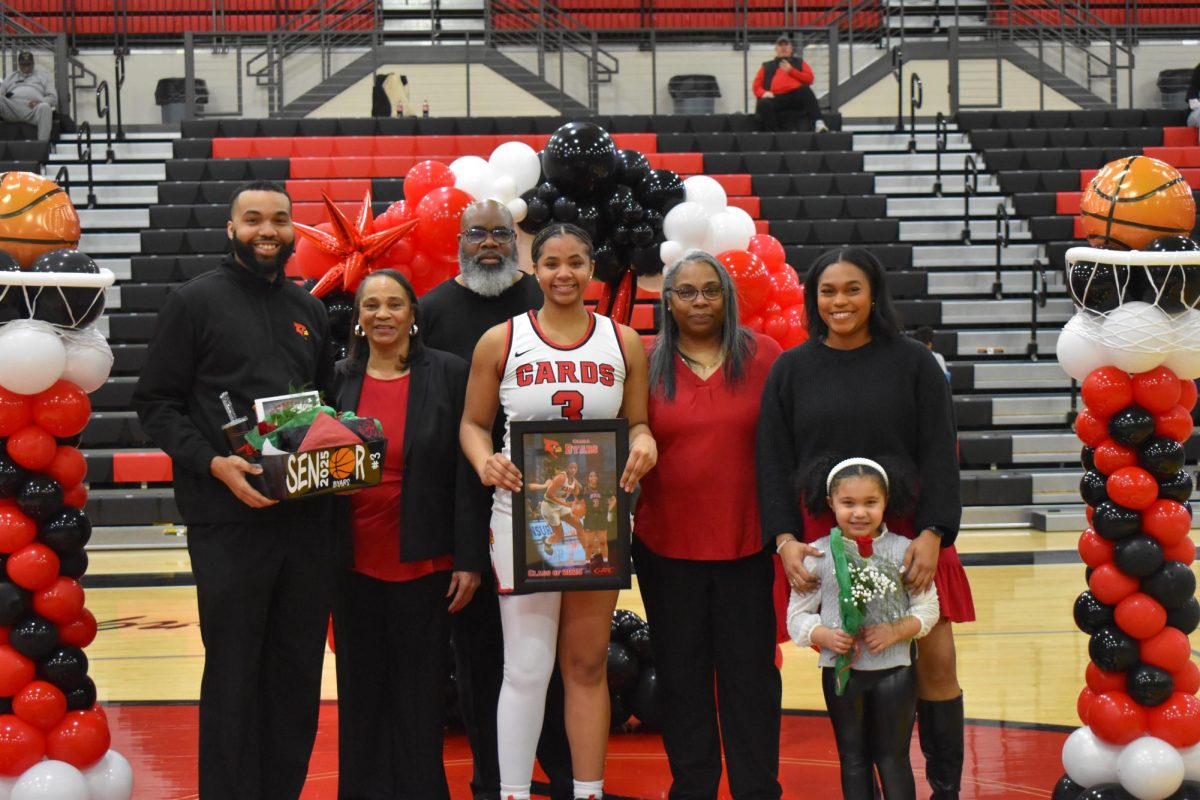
<point>357,244</point>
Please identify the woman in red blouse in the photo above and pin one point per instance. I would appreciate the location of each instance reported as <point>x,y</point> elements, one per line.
<point>409,565</point>
<point>702,570</point>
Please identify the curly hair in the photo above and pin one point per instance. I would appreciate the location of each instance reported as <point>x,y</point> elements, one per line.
<point>899,487</point>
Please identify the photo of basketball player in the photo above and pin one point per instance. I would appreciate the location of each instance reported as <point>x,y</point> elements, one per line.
<point>558,503</point>
<point>599,521</point>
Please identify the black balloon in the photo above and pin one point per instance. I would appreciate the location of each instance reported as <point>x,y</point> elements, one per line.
<point>1161,456</point>
<point>68,308</point>
<point>12,298</point>
<point>627,622</point>
<point>588,218</point>
<point>642,235</point>
<point>1176,487</point>
<point>622,667</point>
<point>580,158</point>
<point>69,441</point>
<point>1115,522</point>
<point>1138,556</point>
<point>1090,614</point>
<point>12,476</point>
<point>34,637</point>
<point>1173,287</point>
<point>1087,457</point>
<point>1066,789</point>
<point>6,705</point>
<point>65,667</point>
<point>633,213</point>
<point>83,696</point>
<point>1096,287</point>
<point>618,711</point>
<point>644,700</point>
<point>548,192</point>
<point>340,306</point>
<point>646,260</point>
<point>73,565</point>
<point>1131,426</point>
<point>1186,617</point>
<point>66,532</point>
<point>614,204</point>
<point>1172,584</point>
<point>565,209</point>
<point>537,214</point>
<point>1149,685</point>
<point>15,603</point>
<point>1106,791</point>
<point>632,167</point>
<point>1092,487</point>
<point>654,219</point>
<point>1112,649</point>
<point>639,643</point>
<point>619,235</point>
<point>608,265</point>
<point>661,190</point>
<point>40,498</point>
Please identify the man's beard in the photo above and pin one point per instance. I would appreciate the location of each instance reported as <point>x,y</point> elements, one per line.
<point>485,280</point>
<point>245,254</point>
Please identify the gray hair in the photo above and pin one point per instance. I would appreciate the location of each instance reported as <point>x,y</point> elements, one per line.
<point>737,341</point>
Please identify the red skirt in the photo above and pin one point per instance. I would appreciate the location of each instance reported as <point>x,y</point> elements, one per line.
<point>954,590</point>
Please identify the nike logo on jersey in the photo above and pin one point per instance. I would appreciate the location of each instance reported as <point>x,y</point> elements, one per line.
<point>541,372</point>
<point>523,352</point>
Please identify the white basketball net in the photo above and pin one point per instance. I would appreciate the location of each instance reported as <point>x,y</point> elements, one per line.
<point>34,285</point>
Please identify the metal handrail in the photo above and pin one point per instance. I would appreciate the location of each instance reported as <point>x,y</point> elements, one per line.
<point>102,112</point>
<point>1041,290</point>
<point>916,98</point>
<point>941,136</point>
<point>898,73</point>
<point>63,179</point>
<point>119,70</point>
<point>1003,236</point>
<point>970,188</point>
<point>83,151</point>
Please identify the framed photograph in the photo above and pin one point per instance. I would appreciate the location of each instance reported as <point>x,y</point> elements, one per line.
<point>571,520</point>
<point>265,406</point>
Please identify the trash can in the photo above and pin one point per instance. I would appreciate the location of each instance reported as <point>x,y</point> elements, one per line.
<point>693,94</point>
<point>170,95</point>
<point>1173,86</point>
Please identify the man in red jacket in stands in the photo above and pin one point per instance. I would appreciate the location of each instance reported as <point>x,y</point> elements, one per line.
<point>785,84</point>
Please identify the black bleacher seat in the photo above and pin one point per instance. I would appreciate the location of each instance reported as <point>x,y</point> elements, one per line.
<point>170,216</point>
<point>984,449</point>
<point>476,126</point>
<point>390,189</point>
<point>199,128</point>
<point>29,151</point>
<point>971,411</point>
<point>278,126</point>
<point>116,394</point>
<point>1035,204</point>
<point>207,240</point>
<point>144,296</point>
<point>1044,229</point>
<point>907,284</point>
<point>396,126</point>
<point>1015,181</point>
<point>355,126</point>
<point>132,327</point>
<point>630,123</point>
<point>128,359</point>
<point>315,126</point>
<point>192,148</point>
<point>113,429</point>
<point>162,242</point>
<point>178,193</point>
<point>1086,118</point>
<point>238,127</point>
<point>917,312</point>
<point>892,256</point>
<point>1067,137</point>
<point>1013,119</point>
<point>866,206</point>
<point>1164,117</point>
<point>514,126</point>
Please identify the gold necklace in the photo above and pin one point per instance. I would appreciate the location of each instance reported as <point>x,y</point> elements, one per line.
<point>697,362</point>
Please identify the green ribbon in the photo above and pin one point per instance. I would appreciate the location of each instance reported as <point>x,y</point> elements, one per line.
<point>852,618</point>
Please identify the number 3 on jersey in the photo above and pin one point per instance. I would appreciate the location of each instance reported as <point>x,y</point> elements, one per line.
<point>571,402</point>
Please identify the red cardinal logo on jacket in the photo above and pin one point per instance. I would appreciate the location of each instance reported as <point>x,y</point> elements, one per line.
<point>300,329</point>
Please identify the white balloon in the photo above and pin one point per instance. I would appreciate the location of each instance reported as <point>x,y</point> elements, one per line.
<point>518,161</point>
<point>1078,351</point>
<point>706,191</point>
<point>746,221</point>
<point>1089,760</point>
<point>1150,769</point>
<point>687,223</point>
<point>1184,360</point>
<point>504,189</point>
<point>518,208</point>
<point>1135,334</point>
<point>110,778</point>
<point>6,787</point>
<point>1191,762</point>
<point>32,356</point>
<point>50,780</point>
<point>670,251</point>
<point>89,358</point>
<point>727,233</point>
<point>473,175</point>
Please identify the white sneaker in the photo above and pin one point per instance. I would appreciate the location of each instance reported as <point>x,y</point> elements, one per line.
<point>821,127</point>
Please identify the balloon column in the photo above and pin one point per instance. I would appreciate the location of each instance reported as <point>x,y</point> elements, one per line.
<point>1133,344</point>
<point>54,738</point>
<point>632,679</point>
<point>770,297</point>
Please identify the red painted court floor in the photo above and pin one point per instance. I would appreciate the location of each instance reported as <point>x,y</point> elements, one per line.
<point>1001,762</point>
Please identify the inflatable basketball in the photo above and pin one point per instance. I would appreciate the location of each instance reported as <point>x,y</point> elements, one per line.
<point>36,216</point>
<point>1135,200</point>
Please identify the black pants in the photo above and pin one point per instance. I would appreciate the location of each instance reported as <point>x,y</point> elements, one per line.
<point>715,619</point>
<point>803,99</point>
<point>873,723</point>
<point>479,671</point>
<point>392,661</point>
<point>264,595</point>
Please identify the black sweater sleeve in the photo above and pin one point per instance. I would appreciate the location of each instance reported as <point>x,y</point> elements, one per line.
<point>940,502</point>
<point>472,500</point>
<point>775,457</point>
<point>1194,87</point>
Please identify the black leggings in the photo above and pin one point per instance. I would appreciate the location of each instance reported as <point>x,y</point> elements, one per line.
<point>873,723</point>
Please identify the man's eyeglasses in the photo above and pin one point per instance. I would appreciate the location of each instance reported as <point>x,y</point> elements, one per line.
<point>688,293</point>
<point>480,235</point>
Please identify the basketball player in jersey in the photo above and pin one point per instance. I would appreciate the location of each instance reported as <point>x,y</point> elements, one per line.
<point>597,520</point>
<point>559,505</point>
<point>562,362</point>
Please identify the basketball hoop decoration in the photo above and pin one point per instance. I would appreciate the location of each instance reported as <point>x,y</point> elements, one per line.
<point>1134,343</point>
<point>54,738</point>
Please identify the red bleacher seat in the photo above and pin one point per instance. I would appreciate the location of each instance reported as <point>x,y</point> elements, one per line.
<point>147,467</point>
<point>1067,202</point>
<point>1179,137</point>
<point>310,190</point>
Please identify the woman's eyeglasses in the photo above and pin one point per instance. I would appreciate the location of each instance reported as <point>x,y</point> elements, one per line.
<point>480,235</point>
<point>688,293</point>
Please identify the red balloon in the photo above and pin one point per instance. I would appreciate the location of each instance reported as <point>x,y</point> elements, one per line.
<point>21,745</point>
<point>439,213</point>
<point>750,278</point>
<point>423,178</point>
<point>1168,521</point>
<point>14,412</point>
<point>1132,487</point>
<point>68,466</point>
<point>1156,390</point>
<point>1110,585</point>
<point>1107,390</point>
<point>797,327</point>
<point>785,289</point>
<point>1175,423</point>
<point>16,529</point>
<point>41,704</point>
<point>60,602</point>
<point>397,213</point>
<point>1110,457</point>
<point>1139,615</point>
<point>1082,705</point>
<point>4,629</point>
<point>310,261</point>
<point>1187,394</point>
<point>1177,721</point>
<point>15,671</point>
<point>1115,718</point>
<point>770,250</point>
<point>1090,429</point>
<point>75,496</point>
<point>80,739</point>
<point>1099,680</point>
<point>32,448</point>
<point>1088,511</point>
<point>62,410</point>
<point>1094,549</point>
<point>1187,680</point>
<point>33,567</point>
<point>754,323</point>
<point>1168,649</point>
<point>776,327</point>
<point>1183,551</point>
<point>80,631</point>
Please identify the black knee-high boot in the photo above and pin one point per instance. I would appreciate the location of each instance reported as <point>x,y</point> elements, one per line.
<point>940,724</point>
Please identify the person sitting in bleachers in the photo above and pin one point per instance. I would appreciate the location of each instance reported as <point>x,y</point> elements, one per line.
<point>28,96</point>
<point>1193,99</point>
<point>785,84</point>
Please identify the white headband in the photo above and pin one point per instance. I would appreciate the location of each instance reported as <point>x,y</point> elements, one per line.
<point>856,462</point>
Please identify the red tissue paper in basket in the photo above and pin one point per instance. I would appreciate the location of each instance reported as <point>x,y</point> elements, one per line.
<point>325,431</point>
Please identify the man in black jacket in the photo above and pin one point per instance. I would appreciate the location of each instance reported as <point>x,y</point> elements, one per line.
<point>263,568</point>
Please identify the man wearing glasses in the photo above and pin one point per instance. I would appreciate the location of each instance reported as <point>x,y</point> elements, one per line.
<point>489,289</point>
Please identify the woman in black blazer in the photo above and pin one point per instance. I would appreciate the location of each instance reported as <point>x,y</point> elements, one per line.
<point>412,547</point>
